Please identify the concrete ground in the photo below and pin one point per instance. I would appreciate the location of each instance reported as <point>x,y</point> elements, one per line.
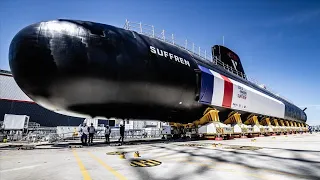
<point>280,157</point>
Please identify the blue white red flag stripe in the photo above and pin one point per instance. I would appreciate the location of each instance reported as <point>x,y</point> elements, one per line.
<point>219,90</point>
<point>228,92</point>
<point>207,86</point>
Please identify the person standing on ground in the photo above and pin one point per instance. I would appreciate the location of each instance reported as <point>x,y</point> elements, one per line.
<point>107,134</point>
<point>84,133</point>
<point>121,134</point>
<point>92,130</point>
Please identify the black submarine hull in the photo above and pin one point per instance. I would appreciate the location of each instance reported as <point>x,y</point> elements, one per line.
<point>101,70</point>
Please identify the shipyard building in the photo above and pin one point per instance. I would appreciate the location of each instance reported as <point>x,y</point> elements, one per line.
<point>14,101</point>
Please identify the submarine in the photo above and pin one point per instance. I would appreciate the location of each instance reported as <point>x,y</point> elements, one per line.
<point>98,70</point>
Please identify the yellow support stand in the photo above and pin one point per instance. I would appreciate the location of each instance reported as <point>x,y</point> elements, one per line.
<point>291,123</point>
<point>265,121</point>
<point>233,117</point>
<point>283,130</point>
<point>252,120</point>
<point>210,115</point>
<point>287,123</point>
<point>275,122</point>
<point>304,125</point>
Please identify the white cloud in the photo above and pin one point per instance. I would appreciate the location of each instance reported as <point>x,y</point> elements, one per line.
<point>296,18</point>
<point>302,17</point>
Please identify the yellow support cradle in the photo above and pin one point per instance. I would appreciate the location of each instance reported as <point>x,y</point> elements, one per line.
<point>234,117</point>
<point>287,123</point>
<point>252,120</point>
<point>210,115</point>
<point>265,121</point>
<point>291,124</point>
<point>275,122</point>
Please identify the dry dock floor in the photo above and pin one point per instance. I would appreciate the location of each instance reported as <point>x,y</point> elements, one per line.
<point>280,157</point>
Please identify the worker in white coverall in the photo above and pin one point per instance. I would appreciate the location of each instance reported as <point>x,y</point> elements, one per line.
<point>84,131</point>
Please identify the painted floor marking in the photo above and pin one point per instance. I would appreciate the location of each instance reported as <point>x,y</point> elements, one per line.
<point>107,167</point>
<point>83,170</point>
<point>145,163</point>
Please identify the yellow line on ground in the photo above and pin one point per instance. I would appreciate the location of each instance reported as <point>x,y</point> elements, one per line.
<point>114,172</point>
<point>83,170</point>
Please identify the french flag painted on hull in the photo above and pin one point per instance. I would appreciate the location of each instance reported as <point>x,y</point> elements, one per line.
<point>211,88</point>
<point>228,91</point>
<point>207,85</point>
<point>219,90</point>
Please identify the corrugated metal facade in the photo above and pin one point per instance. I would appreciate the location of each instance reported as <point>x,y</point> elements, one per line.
<point>14,101</point>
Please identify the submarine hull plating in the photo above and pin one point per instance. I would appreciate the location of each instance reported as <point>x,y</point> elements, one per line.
<point>111,73</point>
<point>100,70</point>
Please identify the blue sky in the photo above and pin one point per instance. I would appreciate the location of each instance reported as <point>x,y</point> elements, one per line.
<point>278,41</point>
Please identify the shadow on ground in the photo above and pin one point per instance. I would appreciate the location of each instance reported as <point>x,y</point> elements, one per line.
<point>256,163</point>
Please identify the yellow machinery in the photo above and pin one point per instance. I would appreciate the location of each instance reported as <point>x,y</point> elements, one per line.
<point>210,126</point>
<point>291,126</point>
<point>283,127</point>
<point>289,129</point>
<point>235,120</point>
<point>252,120</point>
<point>276,127</point>
<point>265,121</point>
<point>295,127</point>
<point>306,127</point>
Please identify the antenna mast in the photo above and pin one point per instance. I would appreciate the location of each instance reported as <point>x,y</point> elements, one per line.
<point>223,40</point>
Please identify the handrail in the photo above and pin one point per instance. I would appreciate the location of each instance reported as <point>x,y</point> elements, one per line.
<point>192,48</point>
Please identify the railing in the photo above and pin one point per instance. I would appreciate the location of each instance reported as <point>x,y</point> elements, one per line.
<point>191,47</point>
<point>195,50</point>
